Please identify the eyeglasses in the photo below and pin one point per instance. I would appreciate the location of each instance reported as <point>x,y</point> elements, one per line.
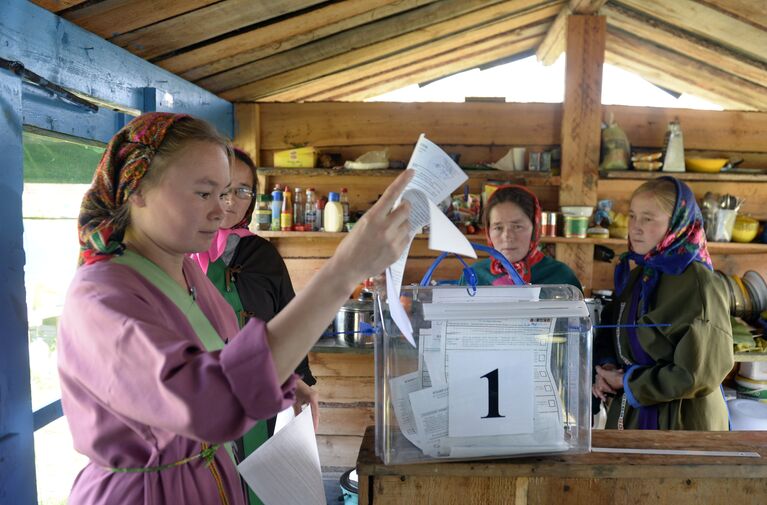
<point>240,193</point>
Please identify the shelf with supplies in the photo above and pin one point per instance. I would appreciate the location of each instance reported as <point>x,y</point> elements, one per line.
<point>685,176</point>
<point>713,247</point>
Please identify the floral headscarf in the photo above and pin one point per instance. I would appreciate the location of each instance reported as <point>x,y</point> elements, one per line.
<point>533,256</point>
<point>122,167</point>
<point>684,243</point>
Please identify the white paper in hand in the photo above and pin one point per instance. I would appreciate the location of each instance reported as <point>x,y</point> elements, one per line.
<point>286,468</point>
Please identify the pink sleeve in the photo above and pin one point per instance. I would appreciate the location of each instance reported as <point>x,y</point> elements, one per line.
<point>139,358</point>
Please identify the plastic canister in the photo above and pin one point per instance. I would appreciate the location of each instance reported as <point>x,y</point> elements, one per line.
<point>576,226</point>
<point>333,215</point>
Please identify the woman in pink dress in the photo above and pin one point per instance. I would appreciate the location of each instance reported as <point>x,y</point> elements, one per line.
<point>151,394</point>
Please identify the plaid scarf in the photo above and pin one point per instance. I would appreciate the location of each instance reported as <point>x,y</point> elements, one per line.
<point>122,167</point>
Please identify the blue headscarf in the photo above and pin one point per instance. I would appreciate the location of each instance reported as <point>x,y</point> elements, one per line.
<point>684,243</point>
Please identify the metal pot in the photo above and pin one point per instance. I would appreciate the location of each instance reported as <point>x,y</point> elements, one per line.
<point>347,325</point>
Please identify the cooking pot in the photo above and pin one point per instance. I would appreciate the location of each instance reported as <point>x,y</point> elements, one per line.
<point>353,324</point>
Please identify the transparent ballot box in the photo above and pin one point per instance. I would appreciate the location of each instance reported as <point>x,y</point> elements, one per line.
<point>498,372</point>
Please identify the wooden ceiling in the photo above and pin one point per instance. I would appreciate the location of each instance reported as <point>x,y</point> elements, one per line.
<point>314,50</point>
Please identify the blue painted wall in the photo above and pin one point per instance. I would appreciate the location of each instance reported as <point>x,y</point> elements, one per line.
<point>78,60</point>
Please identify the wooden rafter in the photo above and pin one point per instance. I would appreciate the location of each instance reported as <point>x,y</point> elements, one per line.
<point>434,39</point>
<point>686,44</point>
<point>681,73</point>
<point>57,5</point>
<point>749,11</point>
<point>554,43</point>
<point>204,24</point>
<point>353,45</point>
<point>284,35</point>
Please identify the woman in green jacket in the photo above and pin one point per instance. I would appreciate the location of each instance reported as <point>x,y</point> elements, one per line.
<point>512,222</point>
<point>666,361</point>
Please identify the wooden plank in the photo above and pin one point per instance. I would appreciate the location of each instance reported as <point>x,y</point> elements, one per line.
<point>232,52</point>
<point>347,42</point>
<point>434,67</point>
<point>345,420</point>
<point>57,5</point>
<point>247,131</point>
<point>683,176</point>
<point>433,38</point>
<point>424,62</point>
<point>669,67</point>
<point>553,45</point>
<point>706,22</point>
<point>204,24</point>
<point>579,257</point>
<point>338,452</point>
<point>341,365</point>
<point>109,18</point>
<point>581,116</point>
<point>323,124</point>
<point>346,389</point>
<point>747,11</point>
<point>698,48</point>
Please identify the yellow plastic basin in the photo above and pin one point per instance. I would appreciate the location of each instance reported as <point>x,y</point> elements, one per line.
<point>705,165</point>
<point>745,229</point>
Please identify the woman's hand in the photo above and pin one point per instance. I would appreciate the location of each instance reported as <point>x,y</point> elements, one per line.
<point>609,380</point>
<point>379,237</point>
<point>306,395</point>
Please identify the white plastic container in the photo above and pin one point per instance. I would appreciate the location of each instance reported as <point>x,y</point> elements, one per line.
<point>333,215</point>
<point>503,373</point>
<point>747,415</point>
<point>754,370</point>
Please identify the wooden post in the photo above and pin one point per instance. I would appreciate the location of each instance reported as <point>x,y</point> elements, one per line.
<point>247,129</point>
<point>581,117</point>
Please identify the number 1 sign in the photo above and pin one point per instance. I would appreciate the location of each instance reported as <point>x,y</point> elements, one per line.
<point>490,393</point>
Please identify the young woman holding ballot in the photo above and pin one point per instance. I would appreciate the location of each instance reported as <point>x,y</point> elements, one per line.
<point>252,277</point>
<point>666,360</point>
<point>512,221</point>
<point>151,393</point>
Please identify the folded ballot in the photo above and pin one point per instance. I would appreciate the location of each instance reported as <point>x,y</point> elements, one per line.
<point>436,177</point>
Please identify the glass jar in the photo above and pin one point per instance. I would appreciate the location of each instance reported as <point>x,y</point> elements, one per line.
<point>262,214</point>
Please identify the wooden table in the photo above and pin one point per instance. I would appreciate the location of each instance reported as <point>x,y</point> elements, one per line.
<point>587,479</point>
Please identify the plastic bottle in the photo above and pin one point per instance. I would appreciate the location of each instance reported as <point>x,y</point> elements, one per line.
<point>310,211</point>
<point>286,215</point>
<point>263,213</point>
<point>276,209</point>
<point>298,209</point>
<point>345,204</point>
<point>320,212</point>
<point>333,216</point>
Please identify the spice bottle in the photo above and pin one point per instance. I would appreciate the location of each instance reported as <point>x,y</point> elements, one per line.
<point>286,215</point>
<point>333,216</point>
<point>276,209</point>
<point>320,212</point>
<point>310,211</point>
<point>344,199</point>
<point>263,213</point>
<point>298,209</point>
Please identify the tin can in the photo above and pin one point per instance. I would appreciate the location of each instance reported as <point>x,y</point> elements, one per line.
<point>534,164</point>
<point>576,226</point>
<point>548,224</point>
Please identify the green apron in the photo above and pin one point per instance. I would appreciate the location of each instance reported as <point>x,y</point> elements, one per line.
<point>220,276</point>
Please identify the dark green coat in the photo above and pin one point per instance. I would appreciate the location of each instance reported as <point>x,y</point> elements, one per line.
<point>692,356</point>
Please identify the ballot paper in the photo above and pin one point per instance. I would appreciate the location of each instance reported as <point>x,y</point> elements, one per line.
<point>286,468</point>
<point>436,177</point>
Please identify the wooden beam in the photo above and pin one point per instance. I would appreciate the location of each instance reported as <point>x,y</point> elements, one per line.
<point>293,32</point>
<point>423,43</point>
<point>450,62</point>
<point>357,46</point>
<point>706,22</point>
<point>554,43</point>
<point>57,5</point>
<point>747,11</point>
<point>110,18</point>
<point>662,34</point>
<point>204,24</point>
<point>247,130</point>
<point>670,69</point>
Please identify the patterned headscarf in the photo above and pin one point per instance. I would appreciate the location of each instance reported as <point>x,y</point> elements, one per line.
<point>684,243</point>
<point>121,169</point>
<point>533,256</point>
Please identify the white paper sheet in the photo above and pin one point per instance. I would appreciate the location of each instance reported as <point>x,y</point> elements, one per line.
<point>401,387</point>
<point>436,177</point>
<point>430,412</point>
<point>286,468</point>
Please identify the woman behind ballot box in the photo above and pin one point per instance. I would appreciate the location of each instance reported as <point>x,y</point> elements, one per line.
<point>151,393</point>
<point>512,222</point>
<point>666,361</point>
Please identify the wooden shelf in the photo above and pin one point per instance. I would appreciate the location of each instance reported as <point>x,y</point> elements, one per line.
<point>683,176</point>
<point>529,178</point>
<point>713,247</point>
<point>750,356</point>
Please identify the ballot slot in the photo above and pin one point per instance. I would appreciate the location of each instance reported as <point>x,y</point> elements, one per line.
<point>501,372</point>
